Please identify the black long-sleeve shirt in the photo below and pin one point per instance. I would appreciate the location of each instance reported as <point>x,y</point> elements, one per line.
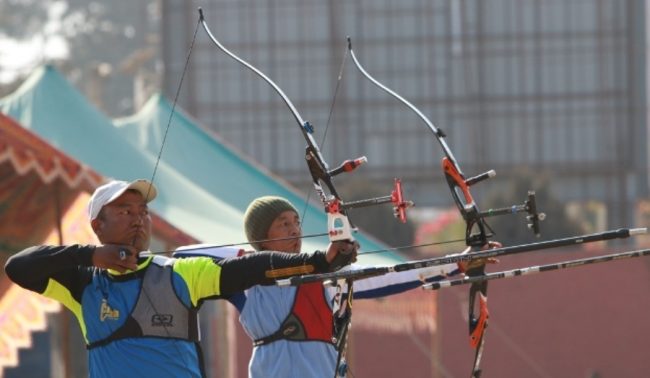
<point>71,265</point>
<point>103,301</point>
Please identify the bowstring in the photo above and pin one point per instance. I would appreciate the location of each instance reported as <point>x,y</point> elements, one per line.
<point>153,175</point>
<point>327,125</point>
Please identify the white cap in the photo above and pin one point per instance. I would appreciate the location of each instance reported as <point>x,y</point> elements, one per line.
<point>109,192</point>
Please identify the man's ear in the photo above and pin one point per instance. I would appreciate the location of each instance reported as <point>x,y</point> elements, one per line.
<point>96,225</point>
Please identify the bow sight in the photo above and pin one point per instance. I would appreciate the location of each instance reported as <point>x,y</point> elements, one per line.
<point>338,224</point>
<point>475,218</point>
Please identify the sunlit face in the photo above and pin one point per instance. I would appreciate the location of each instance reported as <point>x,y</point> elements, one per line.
<point>125,221</point>
<point>286,225</point>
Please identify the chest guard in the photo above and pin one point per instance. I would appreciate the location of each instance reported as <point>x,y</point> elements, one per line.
<point>158,311</point>
<point>310,318</point>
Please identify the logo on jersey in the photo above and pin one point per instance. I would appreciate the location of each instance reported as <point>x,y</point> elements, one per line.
<point>106,312</point>
<point>162,320</point>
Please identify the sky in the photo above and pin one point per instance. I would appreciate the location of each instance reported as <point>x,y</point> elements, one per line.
<point>20,57</point>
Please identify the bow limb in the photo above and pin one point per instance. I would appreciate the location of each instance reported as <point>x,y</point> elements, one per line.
<point>261,74</point>
<point>321,168</point>
<point>436,131</point>
<point>458,184</point>
<point>478,317</point>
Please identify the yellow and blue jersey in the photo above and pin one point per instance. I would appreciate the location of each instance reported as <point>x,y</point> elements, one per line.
<point>106,303</point>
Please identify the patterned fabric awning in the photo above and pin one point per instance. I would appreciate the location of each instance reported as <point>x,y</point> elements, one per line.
<point>27,152</point>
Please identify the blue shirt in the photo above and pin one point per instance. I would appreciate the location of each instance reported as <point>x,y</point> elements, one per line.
<point>264,308</point>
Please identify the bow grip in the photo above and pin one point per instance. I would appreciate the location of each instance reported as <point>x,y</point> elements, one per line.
<point>338,227</point>
<point>338,224</point>
<point>342,259</point>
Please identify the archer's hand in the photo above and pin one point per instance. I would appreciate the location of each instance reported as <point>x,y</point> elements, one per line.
<point>464,266</point>
<point>117,257</point>
<point>341,253</point>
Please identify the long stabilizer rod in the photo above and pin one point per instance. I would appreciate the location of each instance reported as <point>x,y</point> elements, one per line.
<point>455,258</point>
<point>536,269</point>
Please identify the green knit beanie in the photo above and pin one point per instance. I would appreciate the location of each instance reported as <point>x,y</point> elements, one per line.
<point>260,215</point>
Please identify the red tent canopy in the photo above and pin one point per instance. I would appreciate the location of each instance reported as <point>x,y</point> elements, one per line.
<point>43,196</point>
